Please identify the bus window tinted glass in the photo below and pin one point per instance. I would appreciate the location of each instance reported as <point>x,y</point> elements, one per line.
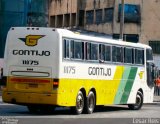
<point>139,56</point>
<point>66,49</point>
<point>105,52</point>
<point>94,51</point>
<point>76,49</point>
<point>149,54</point>
<point>128,55</point>
<point>117,54</point>
<point>88,50</point>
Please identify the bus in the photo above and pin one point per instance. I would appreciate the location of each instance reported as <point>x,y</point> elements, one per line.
<point>48,67</point>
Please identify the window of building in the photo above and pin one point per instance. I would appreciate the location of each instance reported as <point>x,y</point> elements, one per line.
<point>66,20</point>
<point>52,21</point>
<point>155,46</point>
<point>98,16</point>
<point>59,21</point>
<point>89,17</point>
<point>117,54</point>
<point>128,55</point>
<point>128,37</point>
<point>131,13</point>
<point>108,15</point>
<point>105,52</point>
<point>139,56</point>
<point>77,49</point>
<point>73,21</point>
<point>81,17</point>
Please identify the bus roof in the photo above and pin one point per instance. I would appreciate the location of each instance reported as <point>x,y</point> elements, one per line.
<point>77,35</point>
<point>83,36</point>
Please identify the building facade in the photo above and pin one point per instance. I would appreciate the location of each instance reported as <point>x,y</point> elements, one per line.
<point>141,19</point>
<point>18,13</point>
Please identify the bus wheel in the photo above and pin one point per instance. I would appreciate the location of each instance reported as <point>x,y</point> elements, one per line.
<point>139,102</point>
<point>90,103</point>
<point>78,109</point>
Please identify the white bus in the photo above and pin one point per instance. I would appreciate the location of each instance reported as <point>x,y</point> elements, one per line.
<point>47,67</point>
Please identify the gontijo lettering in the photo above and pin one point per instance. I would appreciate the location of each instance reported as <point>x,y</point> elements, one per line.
<point>31,52</point>
<point>99,71</point>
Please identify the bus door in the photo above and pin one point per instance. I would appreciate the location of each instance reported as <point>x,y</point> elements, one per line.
<point>150,74</point>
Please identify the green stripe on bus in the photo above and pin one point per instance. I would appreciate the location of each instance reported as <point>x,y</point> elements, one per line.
<point>122,85</point>
<point>129,85</point>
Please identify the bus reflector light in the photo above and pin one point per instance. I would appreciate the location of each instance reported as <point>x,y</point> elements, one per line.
<point>55,83</point>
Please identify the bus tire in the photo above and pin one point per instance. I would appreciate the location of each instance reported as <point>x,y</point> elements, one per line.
<point>139,102</point>
<point>78,109</point>
<point>90,103</point>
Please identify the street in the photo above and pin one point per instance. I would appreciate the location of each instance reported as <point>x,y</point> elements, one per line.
<point>150,113</point>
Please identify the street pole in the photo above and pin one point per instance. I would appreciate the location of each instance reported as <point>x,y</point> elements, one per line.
<point>122,20</point>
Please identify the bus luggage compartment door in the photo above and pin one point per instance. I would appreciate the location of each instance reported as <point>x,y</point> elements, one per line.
<point>29,79</point>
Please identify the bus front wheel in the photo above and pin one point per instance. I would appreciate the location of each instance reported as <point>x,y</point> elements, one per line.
<point>139,102</point>
<point>90,103</point>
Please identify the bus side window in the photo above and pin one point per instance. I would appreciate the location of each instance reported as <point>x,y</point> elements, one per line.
<point>88,50</point>
<point>117,54</point>
<point>149,54</point>
<point>77,51</point>
<point>139,56</point>
<point>94,51</point>
<point>114,58</point>
<point>128,55</point>
<point>66,49</point>
<point>102,52</point>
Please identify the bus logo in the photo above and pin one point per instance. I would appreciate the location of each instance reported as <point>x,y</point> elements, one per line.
<point>141,74</point>
<point>31,40</point>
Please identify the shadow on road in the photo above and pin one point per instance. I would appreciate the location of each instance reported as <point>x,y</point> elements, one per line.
<point>16,110</point>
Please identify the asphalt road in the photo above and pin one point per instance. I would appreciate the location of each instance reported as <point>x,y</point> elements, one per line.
<point>15,114</point>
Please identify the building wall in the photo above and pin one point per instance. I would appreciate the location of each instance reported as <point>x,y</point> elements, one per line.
<point>17,13</point>
<point>129,28</point>
<point>63,13</point>
<point>146,30</point>
<point>102,27</point>
<point>150,27</point>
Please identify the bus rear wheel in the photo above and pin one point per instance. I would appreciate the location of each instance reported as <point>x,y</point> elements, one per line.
<point>90,103</point>
<point>139,102</point>
<point>78,109</point>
